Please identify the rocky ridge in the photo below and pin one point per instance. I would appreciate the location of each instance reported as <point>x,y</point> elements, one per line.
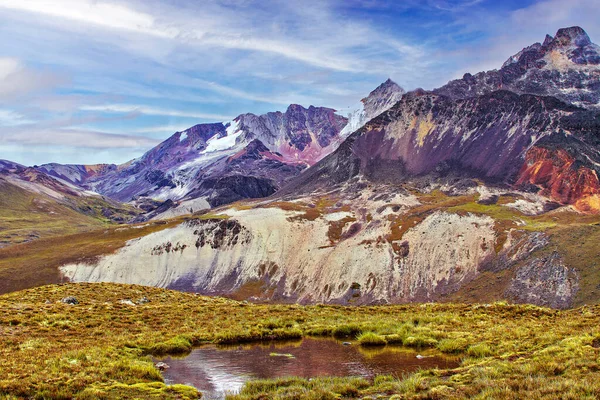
<point>566,66</point>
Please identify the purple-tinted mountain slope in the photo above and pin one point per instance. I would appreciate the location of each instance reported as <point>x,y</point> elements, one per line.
<point>466,129</point>
<point>251,156</point>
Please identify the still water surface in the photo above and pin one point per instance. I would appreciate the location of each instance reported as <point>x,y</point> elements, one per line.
<point>216,370</point>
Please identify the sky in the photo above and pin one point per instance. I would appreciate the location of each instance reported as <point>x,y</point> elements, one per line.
<point>103,81</point>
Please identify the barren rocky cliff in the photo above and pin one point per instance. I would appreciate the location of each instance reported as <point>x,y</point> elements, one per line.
<point>384,245</point>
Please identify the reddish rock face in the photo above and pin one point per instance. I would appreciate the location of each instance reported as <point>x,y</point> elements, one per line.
<point>561,178</point>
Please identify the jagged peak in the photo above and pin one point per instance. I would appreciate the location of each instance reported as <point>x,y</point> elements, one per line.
<point>386,89</point>
<point>295,107</point>
<point>565,40</point>
<point>573,35</point>
<point>299,108</point>
<point>515,58</point>
<point>387,85</point>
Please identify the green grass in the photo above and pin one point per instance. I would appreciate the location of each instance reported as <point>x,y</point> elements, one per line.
<point>100,348</point>
<point>27,216</point>
<point>479,350</point>
<point>371,339</point>
<point>454,345</point>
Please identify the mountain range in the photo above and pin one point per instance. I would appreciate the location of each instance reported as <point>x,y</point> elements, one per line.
<point>209,165</point>
<point>484,189</point>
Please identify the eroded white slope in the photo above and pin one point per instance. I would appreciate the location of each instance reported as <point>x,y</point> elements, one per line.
<point>297,259</point>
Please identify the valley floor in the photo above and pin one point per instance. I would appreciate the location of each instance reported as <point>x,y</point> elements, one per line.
<point>101,347</point>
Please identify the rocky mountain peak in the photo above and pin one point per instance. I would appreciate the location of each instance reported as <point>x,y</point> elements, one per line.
<point>389,83</point>
<point>382,98</point>
<point>387,87</point>
<point>295,108</point>
<point>530,52</point>
<point>565,66</point>
<point>574,35</point>
<point>575,44</point>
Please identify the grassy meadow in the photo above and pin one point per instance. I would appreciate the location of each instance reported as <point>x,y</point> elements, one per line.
<point>26,216</point>
<point>102,347</point>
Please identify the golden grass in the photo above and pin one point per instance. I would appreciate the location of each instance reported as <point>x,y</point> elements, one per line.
<point>579,245</point>
<point>311,211</point>
<point>336,228</point>
<point>99,348</point>
<point>26,216</point>
<point>36,263</point>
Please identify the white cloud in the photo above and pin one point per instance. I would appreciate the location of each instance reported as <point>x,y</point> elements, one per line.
<point>548,16</point>
<point>12,118</point>
<point>162,129</point>
<point>102,14</point>
<point>235,93</point>
<point>322,39</point>
<point>310,55</point>
<point>18,80</point>
<point>75,137</point>
<point>147,110</point>
<point>153,129</point>
<point>8,66</point>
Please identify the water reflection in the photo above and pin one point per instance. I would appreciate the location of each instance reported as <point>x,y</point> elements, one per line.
<point>215,370</point>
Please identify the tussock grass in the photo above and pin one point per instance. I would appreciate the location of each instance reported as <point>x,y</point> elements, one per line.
<point>290,388</point>
<point>101,348</point>
<point>371,339</point>
<point>346,330</point>
<point>479,350</point>
<point>456,345</point>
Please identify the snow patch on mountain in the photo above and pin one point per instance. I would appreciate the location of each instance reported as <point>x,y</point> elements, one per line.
<point>226,142</point>
<point>378,101</point>
<point>356,119</point>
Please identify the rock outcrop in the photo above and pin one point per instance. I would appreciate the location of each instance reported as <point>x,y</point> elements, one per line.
<point>545,281</point>
<point>294,260</point>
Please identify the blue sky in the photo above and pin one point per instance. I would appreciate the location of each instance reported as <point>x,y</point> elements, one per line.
<point>92,81</point>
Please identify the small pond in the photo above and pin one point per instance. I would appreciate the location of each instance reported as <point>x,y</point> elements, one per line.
<point>215,370</point>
